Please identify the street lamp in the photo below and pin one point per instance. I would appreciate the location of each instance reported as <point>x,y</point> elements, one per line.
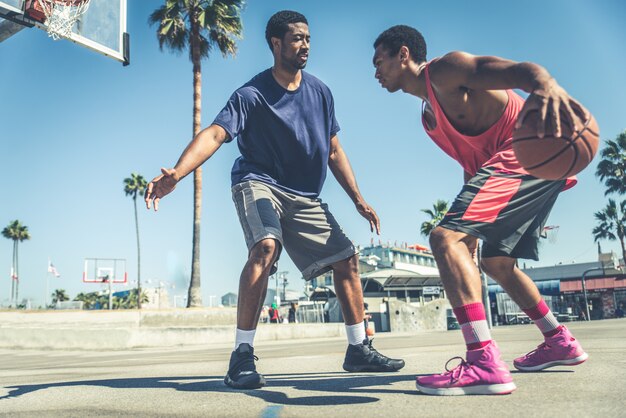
<point>585,287</point>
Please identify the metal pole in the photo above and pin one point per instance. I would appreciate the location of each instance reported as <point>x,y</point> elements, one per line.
<point>585,292</point>
<point>276,296</point>
<point>485,288</point>
<point>585,287</point>
<point>486,301</point>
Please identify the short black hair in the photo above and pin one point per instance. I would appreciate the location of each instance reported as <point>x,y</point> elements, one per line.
<point>278,25</point>
<point>401,35</point>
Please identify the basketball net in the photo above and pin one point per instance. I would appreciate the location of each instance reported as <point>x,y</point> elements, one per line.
<point>550,232</point>
<point>61,15</point>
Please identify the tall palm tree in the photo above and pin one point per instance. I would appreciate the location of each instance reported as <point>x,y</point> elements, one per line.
<point>199,26</point>
<point>17,232</point>
<point>612,167</point>
<point>134,186</point>
<point>612,224</point>
<point>439,210</point>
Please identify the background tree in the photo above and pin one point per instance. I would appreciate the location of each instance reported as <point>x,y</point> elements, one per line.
<point>59,295</point>
<point>612,167</point>
<point>134,186</point>
<point>88,299</point>
<point>436,214</point>
<point>17,232</point>
<point>198,26</point>
<point>612,224</point>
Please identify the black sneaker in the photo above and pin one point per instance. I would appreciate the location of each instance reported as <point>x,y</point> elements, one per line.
<point>364,358</point>
<point>242,372</point>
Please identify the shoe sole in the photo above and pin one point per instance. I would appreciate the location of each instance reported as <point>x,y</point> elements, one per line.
<point>246,385</point>
<point>497,389</point>
<point>366,368</point>
<point>569,362</point>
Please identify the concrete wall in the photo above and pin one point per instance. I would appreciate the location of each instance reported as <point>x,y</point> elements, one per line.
<point>403,317</point>
<point>406,317</point>
<point>97,330</point>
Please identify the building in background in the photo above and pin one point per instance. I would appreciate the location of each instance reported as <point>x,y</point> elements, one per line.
<point>229,299</point>
<point>562,287</point>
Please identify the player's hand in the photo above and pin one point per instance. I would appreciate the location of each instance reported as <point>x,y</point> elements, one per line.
<point>160,186</point>
<point>368,213</point>
<point>552,102</point>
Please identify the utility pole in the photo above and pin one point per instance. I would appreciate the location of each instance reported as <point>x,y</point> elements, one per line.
<point>279,275</point>
<point>285,283</point>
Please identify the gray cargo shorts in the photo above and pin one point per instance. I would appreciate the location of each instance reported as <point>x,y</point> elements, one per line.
<point>303,226</point>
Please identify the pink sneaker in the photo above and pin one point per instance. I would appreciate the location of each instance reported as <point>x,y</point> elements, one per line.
<point>484,373</point>
<point>560,349</point>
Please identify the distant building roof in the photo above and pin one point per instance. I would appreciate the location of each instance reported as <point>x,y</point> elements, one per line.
<point>568,271</point>
<point>404,279</point>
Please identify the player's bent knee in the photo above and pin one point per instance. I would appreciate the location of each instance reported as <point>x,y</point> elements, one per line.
<point>496,267</point>
<point>264,250</point>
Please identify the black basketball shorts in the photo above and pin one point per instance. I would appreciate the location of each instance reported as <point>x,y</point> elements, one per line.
<point>507,211</point>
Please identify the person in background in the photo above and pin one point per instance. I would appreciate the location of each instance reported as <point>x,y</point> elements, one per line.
<point>274,314</point>
<point>292,313</point>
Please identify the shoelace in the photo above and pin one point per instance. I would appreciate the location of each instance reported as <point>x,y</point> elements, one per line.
<point>245,361</point>
<point>457,372</point>
<point>369,344</point>
<point>540,347</point>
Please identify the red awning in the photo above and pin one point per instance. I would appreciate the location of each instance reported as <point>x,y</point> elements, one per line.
<point>593,284</point>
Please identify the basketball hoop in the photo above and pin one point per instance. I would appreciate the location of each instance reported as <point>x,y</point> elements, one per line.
<point>58,15</point>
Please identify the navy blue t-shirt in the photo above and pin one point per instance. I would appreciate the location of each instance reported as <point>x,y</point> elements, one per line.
<point>283,136</point>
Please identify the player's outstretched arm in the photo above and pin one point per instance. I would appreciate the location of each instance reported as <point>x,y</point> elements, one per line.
<point>200,149</point>
<point>460,69</point>
<point>341,169</point>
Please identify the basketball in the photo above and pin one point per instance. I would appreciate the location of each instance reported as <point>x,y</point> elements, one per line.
<point>554,158</point>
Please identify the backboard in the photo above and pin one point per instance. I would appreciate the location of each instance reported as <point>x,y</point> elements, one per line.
<point>102,28</point>
<point>105,270</point>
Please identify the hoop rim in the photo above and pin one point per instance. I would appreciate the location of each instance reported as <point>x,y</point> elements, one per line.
<point>72,3</point>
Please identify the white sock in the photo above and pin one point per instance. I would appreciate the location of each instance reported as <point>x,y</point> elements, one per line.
<point>355,333</point>
<point>244,336</point>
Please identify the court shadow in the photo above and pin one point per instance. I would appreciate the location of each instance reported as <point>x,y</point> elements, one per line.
<point>347,389</point>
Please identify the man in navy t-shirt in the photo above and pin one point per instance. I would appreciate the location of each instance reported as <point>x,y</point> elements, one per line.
<point>284,122</point>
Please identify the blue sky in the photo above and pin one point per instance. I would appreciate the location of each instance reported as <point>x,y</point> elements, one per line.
<point>74,124</point>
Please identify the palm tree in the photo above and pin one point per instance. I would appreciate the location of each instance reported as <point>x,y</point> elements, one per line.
<point>611,224</point>
<point>130,301</point>
<point>439,210</point>
<point>133,186</point>
<point>18,233</point>
<point>88,299</point>
<point>198,25</point>
<point>59,295</point>
<point>612,167</point>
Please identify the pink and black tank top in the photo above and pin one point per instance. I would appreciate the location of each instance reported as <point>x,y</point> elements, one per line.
<point>490,148</point>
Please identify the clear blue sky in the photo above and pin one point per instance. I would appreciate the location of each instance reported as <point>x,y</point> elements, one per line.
<point>74,124</point>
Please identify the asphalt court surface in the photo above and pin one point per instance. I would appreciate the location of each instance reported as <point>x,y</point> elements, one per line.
<point>305,379</point>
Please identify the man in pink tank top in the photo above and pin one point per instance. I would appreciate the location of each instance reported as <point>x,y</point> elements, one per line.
<point>470,112</point>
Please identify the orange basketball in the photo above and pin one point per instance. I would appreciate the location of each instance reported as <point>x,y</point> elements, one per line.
<point>554,158</point>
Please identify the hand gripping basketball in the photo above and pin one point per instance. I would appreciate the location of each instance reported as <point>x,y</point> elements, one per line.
<point>555,137</point>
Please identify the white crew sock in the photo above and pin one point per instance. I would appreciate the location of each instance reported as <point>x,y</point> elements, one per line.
<point>244,336</point>
<point>355,333</point>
